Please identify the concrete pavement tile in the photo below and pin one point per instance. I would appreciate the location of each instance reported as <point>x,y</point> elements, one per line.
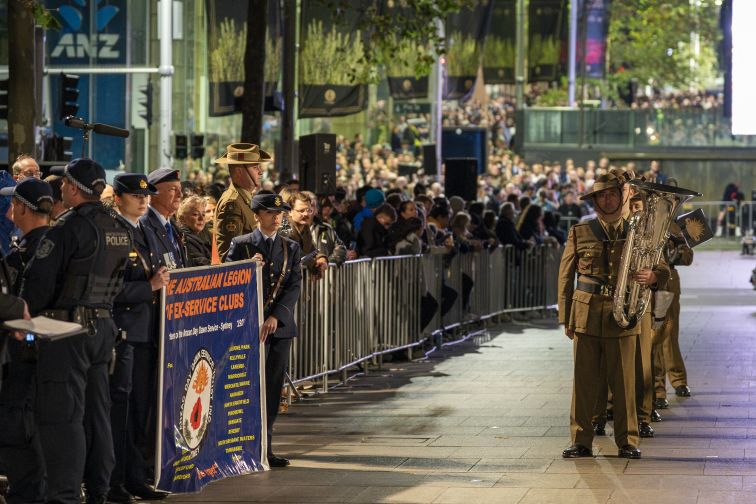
<point>734,467</point>
<point>512,465</point>
<point>438,464</point>
<point>481,495</point>
<point>413,495</point>
<point>655,466</point>
<point>496,421</point>
<point>465,441</point>
<point>525,480</point>
<point>383,451</point>
<point>490,451</point>
<point>381,478</point>
<point>725,498</point>
<point>637,496</point>
<point>460,480</point>
<point>663,482</point>
<point>652,452</point>
<point>588,466</point>
<point>564,496</point>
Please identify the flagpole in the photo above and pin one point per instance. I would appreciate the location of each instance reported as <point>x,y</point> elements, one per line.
<point>574,6</point>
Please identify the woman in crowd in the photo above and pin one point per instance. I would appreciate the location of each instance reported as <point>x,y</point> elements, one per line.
<point>191,219</point>
<point>410,242</point>
<point>531,224</point>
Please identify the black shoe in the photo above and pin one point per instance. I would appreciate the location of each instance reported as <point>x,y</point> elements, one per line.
<point>118,495</point>
<point>97,499</point>
<point>609,415</point>
<point>274,461</point>
<point>645,430</point>
<point>599,429</point>
<point>682,391</point>
<point>661,403</point>
<point>146,493</point>
<point>655,416</point>
<point>629,451</point>
<point>577,451</point>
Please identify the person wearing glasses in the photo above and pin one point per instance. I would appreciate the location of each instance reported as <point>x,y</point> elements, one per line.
<point>300,218</point>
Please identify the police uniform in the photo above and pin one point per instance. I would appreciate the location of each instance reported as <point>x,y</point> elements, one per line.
<point>132,382</point>
<point>281,280</point>
<point>668,360</point>
<point>75,274</point>
<point>233,213</point>
<point>20,446</point>
<point>170,241</point>
<point>593,251</point>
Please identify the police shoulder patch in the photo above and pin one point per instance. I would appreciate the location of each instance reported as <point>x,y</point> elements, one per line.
<point>45,248</point>
<point>231,227</point>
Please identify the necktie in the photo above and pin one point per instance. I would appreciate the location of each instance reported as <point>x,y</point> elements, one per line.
<point>171,235</point>
<point>269,245</point>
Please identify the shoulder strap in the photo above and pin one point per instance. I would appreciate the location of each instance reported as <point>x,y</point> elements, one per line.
<point>598,230</point>
<point>281,276</point>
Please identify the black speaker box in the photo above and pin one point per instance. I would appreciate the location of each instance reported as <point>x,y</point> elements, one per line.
<point>317,163</point>
<point>461,178</point>
<point>429,159</point>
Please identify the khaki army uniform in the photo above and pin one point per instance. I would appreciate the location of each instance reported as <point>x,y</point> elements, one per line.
<point>233,217</point>
<point>592,253</point>
<point>668,360</point>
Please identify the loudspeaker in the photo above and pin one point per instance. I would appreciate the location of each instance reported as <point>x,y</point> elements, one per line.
<point>461,178</point>
<point>465,142</point>
<point>429,159</point>
<point>317,163</point>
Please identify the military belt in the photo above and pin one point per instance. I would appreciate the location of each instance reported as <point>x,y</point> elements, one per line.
<point>79,314</point>
<point>591,288</point>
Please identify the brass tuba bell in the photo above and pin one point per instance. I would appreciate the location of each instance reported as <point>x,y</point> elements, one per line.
<point>647,235</point>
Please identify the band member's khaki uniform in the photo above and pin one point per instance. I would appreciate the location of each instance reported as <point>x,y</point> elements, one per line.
<point>233,217</point>
<point>587,310</point>
<point>668,359</point>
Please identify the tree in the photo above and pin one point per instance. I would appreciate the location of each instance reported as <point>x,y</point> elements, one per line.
<point>254,72</point>
<point>652,41</point>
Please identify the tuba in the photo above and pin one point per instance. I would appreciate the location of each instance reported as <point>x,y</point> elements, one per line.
<point>646,237</point>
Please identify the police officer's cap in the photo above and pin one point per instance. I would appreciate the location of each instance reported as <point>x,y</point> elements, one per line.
<point>133,183</point>
<point>34,193</point>
<point>163,175</point>
<point>86,174</point>
<point>269,201</point>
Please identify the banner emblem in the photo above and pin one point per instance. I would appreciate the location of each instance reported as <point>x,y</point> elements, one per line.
<point>197,403</point>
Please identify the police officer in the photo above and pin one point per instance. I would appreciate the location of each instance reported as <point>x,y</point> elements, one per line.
<point>20,447</point>
<point>233,214</point>
<point>281,279</point>
<point>76,272</point>
<point>593,252</point>
<point>132,383</point>
<point>159,219</point>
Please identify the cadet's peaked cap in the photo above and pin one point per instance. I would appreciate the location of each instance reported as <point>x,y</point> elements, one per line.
<point>604,182</point>
<point>34,193</point>
<point>133,183</point>
<point>86,174</point>
<point>244,153</point>
<point>272,202</point>
<point>163,175</point>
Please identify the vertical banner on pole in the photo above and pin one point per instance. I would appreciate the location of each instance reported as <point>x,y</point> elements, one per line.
<point>597,28</point>
<point>500,51</point>
<point>466,33</point>
<point>544,39</point>
<point>211,418</point>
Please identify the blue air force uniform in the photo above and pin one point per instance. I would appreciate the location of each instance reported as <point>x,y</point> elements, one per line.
<point>277,302</point>
<point>75,275</point>
<point>170,241</point>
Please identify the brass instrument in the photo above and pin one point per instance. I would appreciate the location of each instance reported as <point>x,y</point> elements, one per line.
<point>647,235</point>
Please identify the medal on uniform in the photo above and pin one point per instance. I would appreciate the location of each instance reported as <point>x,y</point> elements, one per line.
<point>170,262</point>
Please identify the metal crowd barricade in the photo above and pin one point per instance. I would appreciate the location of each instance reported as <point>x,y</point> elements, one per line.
<point>369,307</point>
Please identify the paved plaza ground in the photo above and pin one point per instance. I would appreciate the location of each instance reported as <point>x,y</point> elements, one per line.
<point>486,421</point>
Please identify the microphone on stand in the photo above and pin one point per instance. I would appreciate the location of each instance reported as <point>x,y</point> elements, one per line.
<point>99,128</point>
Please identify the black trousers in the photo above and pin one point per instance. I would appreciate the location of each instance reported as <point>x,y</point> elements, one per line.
<point>73,412</point>
<point>132,391</point>
<point>276,361</point>
<point>19,439</point>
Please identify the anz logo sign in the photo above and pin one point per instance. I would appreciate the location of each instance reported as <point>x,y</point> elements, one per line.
<point>74,44</point>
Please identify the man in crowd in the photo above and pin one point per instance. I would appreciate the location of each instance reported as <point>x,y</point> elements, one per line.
<point>233,214</point>
<point>300,218</point>
<point>281,280</point>
<point>58,208</point>
<point>159,218</point>
<point>592,251</point>
<point>372,239</point>
<point>26,167</point>
<point>75,274</point>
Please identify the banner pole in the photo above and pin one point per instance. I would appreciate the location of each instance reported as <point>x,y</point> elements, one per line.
<point>574,6</point>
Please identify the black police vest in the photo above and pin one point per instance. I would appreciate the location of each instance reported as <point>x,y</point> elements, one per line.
<point>95,280</point>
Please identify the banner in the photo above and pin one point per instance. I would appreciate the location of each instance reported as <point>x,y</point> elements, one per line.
<point>211,418</point>
<point>544,39</point>
<point>466,33</point>
<point>596,15</point>
<point>500,51</point>
<point>330,47</point>
<point>226,42</point>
